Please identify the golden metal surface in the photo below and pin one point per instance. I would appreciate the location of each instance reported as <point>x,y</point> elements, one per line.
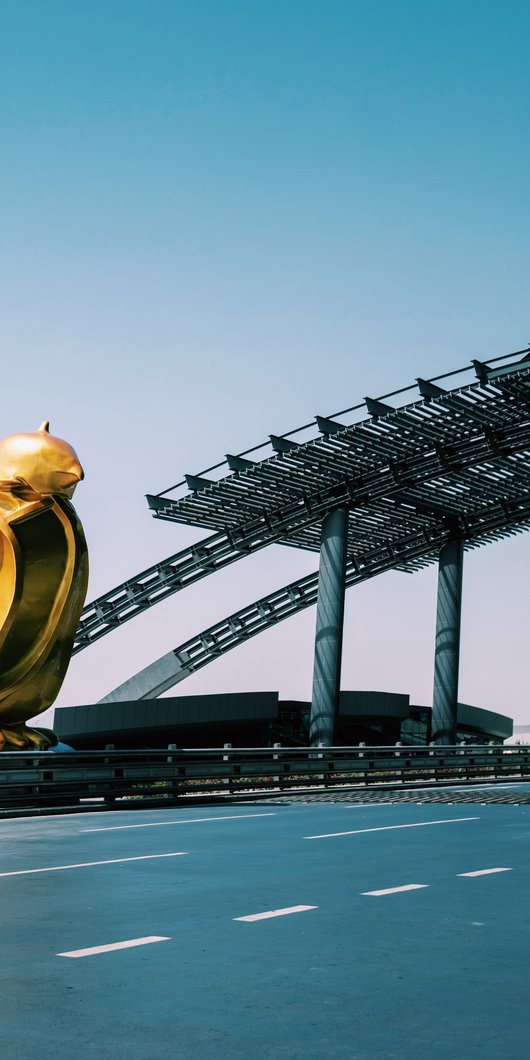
<point>43,579</point>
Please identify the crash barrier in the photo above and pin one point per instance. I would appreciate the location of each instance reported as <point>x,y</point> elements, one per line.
<point>36,780</point>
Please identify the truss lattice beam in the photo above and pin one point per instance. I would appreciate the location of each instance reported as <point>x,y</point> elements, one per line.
<point>411,553</point>
<point>429,475</point>
<point>442,422</point>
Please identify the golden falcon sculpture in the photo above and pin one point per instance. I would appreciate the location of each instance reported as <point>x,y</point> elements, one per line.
<point>43,579</point>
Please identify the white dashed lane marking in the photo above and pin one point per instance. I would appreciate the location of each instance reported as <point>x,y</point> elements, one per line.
<point>483,872</point>
<point>89,864</point>
<point>276,912</point>
<point>393,827</point>
<point>115,946</point>
<point>396,890</point>
<point>192,820</point>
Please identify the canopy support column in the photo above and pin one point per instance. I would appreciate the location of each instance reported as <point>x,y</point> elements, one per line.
<point>329,628</point>
<point>447,645</point>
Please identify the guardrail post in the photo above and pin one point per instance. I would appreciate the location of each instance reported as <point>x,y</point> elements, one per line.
<point>275,757</point>
<point>447,646</point>
<point>227,782</point>
<point>329,628</point>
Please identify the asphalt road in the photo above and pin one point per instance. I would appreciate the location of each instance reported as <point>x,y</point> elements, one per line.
<point>384,946</point>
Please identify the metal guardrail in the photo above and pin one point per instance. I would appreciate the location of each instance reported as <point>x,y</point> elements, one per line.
<point>34,781</point>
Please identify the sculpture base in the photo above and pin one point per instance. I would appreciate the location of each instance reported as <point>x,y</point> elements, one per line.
<point>21,737</point>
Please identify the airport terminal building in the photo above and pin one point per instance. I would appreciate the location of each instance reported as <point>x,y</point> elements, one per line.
<point>260,719</point>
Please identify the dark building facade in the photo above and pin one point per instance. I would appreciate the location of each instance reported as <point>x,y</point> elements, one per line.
<point>259,719</point>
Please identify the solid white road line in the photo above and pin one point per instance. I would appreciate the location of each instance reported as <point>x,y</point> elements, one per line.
<point>115,946</point>
<point>192,820</point>
<point>392,827</point>
<point>276,912</point>
<point>367,805</point>
<point>396,890</point>
<point>88,864</point>
<point>482,872</point>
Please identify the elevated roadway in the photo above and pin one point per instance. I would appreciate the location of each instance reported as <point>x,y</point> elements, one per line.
<point>301,931</point>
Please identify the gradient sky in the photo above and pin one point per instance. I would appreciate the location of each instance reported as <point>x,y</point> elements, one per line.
<point>221,217</point>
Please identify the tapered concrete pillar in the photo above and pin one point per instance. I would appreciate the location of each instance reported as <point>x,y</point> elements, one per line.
<point>329,627</point>
<point>447,646</point>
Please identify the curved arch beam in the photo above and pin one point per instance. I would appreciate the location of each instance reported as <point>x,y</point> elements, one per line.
<point>398,472</point>
<point>490,524</point>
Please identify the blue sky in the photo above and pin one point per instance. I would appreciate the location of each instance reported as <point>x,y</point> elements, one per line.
<point>220,218</point>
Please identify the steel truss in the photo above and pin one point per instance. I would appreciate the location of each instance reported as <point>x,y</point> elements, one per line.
<point>484,526</point>
<point>405,474</point>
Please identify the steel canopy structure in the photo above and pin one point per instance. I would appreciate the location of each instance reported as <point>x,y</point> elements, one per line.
<point>451,465</point>
<point>446,456</point>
